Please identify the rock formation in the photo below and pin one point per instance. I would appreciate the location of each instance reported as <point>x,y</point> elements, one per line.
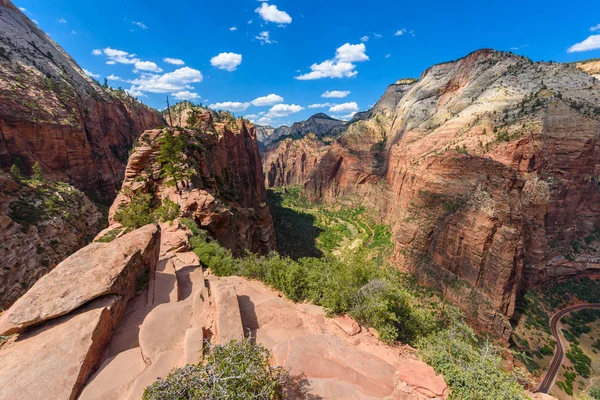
<point>321,125</point>
<point>592,67</point>
<point>53,113</point>
<point>487,170</point>
<point>225,195</point>
<point>41,222</point>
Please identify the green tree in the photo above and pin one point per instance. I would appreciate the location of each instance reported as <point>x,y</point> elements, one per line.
<point>171,157</point>
<point>38,172</point>
<point>16,173</point>
<point>137,212</point>
<point>105,86</point>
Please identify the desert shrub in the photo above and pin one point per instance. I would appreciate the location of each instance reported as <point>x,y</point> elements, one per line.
<point>15,172</point>
<point>581,362</point>
<point>547,350</point>
<point>473,369</point>
<point>38,172</point>
<point>167,211</point>
<point>137,212</point>
<point>236,370</point>
<point>110,236</point>
<point>595,393</point>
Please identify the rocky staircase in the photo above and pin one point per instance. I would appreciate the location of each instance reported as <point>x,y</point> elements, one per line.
<point>166,327</point>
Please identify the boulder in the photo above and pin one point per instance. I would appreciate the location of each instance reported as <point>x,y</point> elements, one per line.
<point>348,325</point>
<point>228,319</point>
<point>97,270</point>
<point>422,378</point>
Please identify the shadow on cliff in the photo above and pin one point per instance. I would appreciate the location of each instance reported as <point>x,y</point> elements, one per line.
<point>295,232</point>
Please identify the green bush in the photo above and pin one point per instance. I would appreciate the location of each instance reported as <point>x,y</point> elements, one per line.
<point>236,370</point>
<point>16,173</point>
<point>547,350</point>
<point>137,212</point>
<point>167,211</point>
<point>38,172</point>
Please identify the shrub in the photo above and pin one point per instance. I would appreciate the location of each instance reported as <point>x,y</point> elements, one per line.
<point>137,212</point>
<point>16,173</point>
<point>236,370</point>
<point>167,211</point>
<point>38,172</point>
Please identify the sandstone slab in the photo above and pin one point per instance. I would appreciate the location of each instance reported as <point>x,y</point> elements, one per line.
<point>348,325</point>
<point>165,362</point>
<point>228,319</point>
<point>96,270</point>
<point>423,378</point>
<point>54,360</point>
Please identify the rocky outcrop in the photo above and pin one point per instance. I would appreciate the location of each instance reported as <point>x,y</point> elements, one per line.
<point>225,192</point>
<point>592,67</point>
<point>321,125</point>
<point>41,223</point>
<point>487,170</point>
<point>53,113</point>
<point>110,269</point>
<point>67,319</point>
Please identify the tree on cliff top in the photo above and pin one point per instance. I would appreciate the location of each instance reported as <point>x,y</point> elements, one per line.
<point>172,158</point>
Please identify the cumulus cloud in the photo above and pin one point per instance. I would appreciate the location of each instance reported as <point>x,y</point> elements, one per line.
<point>119,56</point>
<point>171,82</point>
<point>186,95</point>
<point>89,73</point>
<point>226,61</point>
<point>270,13</point>
<point>400,32</point>
<point>113,77</point>
<point>595,28</point>
<point>233,28</point>
<point>62,20</point>
<point>264,37</point>
<point>591,43</point>
<point>283,110</point>
<point>341,66</point>
<point>174,61</point>
<point>345,117</point>
<point>235,106</point>
<point>335,94</point>
<point>268,100</point>
<point>140,24</point>
<point>344,108</point>
<point>321,105</point>
<point>147,66</point>
<point>96,52</point>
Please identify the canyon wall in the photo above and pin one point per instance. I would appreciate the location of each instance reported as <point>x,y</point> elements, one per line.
<point>486,168</point>
<point>53,113</point>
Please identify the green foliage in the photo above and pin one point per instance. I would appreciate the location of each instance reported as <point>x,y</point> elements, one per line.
<point>137,212</point>
<point>38,172</point>
<point>581,362</point>
<point>547,350</point>
<point>172,158</point>
<point>595,393</point>
<point>462,150</point>
<point>474,370</point>
<point>110,236</point>
<point>15,172</point>
<point>167,211</point>
<point>237,370</point>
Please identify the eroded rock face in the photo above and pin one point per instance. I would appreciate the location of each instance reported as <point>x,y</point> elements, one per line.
<point>53,113</point>
<point>487,170</point>
<point>321,125</point>
<point>225,196</point>
<point>99,269</point>
<point>41,223</point>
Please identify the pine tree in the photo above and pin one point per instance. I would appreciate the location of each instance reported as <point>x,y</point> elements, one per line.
<point>38,172</point>
<point>16,173</point>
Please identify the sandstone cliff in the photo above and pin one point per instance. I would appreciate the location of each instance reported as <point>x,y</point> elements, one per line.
<point>321,125</point>
<point>52,112</point>
<point>486,168</point>
<point>224,192</point>
<point>592,67</point>
<point>41,223</point>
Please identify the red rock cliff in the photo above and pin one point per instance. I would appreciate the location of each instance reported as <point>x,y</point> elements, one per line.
<point>51,112</point>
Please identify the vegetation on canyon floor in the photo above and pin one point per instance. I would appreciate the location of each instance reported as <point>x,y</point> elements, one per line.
<point>340,264</point>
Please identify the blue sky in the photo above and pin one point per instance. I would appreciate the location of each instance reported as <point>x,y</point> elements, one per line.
<point>297,51</point>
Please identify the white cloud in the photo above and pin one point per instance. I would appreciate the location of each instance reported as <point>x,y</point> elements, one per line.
<point>268,100</point>
<point>96,52</point>
<point>264,37</point>
<point>113,77</point>
<point>89,73</point>
<point>250,22</point>
<point>111,62</point>
<point>321,105</point>
<point>147,66</point>
<point>135,93</point>
<point>400,32</point>
<point>174,61</point>
<point>233,28</point>
<point>185,95</point>
<point>344,108</point>
<point>351,53</point>
<point>591,43</point>
<point>62,20</point>
<point>595,28</point>
<point>140,24</point>
<point>345,117</point>
<point>341,66</point>
<point>283,110</point>
<point>335,94</point>
<point>226,61</point>
<point>22,9</point>
<point>270,13</point>
<point>377,35</point>
<point>235,106</point>
<point>388,55</point>
<point>119,56</point>
<point>74,33</point>
<point>264,121</point>
<point>35,21</point>
<point>170,82</point>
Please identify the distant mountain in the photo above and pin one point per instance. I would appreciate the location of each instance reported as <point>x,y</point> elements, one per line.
<point>320,124</point>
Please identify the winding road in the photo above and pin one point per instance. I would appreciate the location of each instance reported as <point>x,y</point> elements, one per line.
<point>559,352</point>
